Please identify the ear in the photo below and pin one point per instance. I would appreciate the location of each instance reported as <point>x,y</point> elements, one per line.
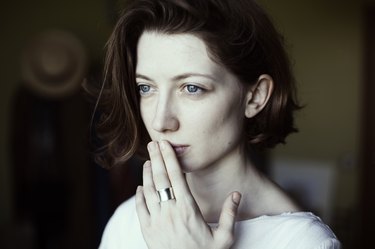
<point>257,96</point>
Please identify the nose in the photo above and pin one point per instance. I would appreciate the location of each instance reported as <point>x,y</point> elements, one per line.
<point>165,118</point>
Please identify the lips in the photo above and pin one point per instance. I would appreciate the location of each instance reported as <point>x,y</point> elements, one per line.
<point>180,149</point>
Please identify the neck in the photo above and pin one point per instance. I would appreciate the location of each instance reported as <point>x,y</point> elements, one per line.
<point>212,185</point>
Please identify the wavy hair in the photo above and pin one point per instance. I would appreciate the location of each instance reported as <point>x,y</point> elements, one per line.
<point>238,34</point>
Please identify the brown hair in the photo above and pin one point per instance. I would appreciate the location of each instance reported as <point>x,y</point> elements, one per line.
<point>238,34</point>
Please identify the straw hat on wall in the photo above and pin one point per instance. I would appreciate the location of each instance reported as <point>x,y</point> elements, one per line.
<point>54,64</point>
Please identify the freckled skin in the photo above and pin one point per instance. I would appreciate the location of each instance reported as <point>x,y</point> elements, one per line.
<point>187,99</point>
<point>210,121</point>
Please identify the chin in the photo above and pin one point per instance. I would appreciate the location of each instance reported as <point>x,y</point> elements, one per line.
<point>190,167</point>
<point>186,169</point>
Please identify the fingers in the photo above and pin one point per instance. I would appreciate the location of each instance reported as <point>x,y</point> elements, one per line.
<point>159,173</point>
<point>149,191</point>
<point>141,207</point>
<point>176,177</point>
<point>228,217</point>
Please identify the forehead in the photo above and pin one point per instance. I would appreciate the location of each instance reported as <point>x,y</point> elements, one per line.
<point>177,53</point>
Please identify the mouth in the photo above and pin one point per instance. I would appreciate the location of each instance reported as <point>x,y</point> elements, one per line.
<point>180,149</point>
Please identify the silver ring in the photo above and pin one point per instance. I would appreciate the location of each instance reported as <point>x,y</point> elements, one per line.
<point>165,194</point>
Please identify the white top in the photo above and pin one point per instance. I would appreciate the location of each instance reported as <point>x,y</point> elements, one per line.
<point>285,231</point>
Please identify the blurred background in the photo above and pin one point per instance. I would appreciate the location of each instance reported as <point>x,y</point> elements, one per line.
<point>52,195</point>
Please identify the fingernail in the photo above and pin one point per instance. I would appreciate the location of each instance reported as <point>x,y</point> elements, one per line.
<point>147,164</point>
<point>139,188</point>
<point>151,146</point>
<point>236,197</point>
<point>162,144</point>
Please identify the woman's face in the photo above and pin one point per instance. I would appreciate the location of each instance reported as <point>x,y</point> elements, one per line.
<point>189,100</point>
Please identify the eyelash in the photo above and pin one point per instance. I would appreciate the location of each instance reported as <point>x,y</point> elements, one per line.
<point>141,91</point>
<point>198,90</point>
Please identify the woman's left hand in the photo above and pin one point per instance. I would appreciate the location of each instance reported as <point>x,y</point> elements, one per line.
<point>178,223</point>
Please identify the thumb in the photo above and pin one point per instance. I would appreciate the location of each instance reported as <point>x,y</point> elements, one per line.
<point>228,217</point>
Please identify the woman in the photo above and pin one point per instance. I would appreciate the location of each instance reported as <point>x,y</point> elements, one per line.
<point>199,83</point>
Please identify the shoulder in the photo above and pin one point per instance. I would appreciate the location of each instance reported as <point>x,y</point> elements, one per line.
<point>124,215</point>
<point>123,228</point>
<point>287,230</point>
<point>125,208</point>
<point>306,223</point>
<point>309,231</point>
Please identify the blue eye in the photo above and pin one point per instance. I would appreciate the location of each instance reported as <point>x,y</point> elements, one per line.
<point>193,89</point>
<point>144,89</point>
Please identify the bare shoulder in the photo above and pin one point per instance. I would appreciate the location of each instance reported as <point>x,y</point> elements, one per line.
<point>280,201</point>
<point>272,200</point>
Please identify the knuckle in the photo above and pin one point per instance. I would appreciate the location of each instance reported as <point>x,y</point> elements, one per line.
<point>187,201</point>
<point>138,199</point>
<point>173,173</point>
<point>160,177</point>
<point>170,154</point>
<point>229,211</point>
<point>155,153</point>
<point>226,239</point>
<point>147,189</point>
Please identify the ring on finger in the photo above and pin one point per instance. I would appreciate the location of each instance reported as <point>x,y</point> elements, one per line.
<point>165,194</point>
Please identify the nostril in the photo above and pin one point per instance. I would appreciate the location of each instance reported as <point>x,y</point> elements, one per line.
<point>165,123</point>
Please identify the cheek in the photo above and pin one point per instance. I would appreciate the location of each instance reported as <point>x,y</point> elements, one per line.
<point>146,118</point>
<point>226,125</point>
<point>229,114</point>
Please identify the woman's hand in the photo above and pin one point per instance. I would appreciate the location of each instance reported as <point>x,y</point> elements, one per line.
<point>178,223</point>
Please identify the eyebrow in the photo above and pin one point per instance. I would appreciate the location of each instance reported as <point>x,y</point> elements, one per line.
<point>179,77</point>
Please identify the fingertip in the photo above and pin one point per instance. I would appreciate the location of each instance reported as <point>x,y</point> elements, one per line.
<point>163,144</point>
<point>228,216</point>
<point>139,188</point>
<point>236,198</point>
<point>141,207</point>
<point>147,164</point>
<point>229,211</point>
<point>149,144</point>
<point>138,194</point>
<point>152,146</point>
